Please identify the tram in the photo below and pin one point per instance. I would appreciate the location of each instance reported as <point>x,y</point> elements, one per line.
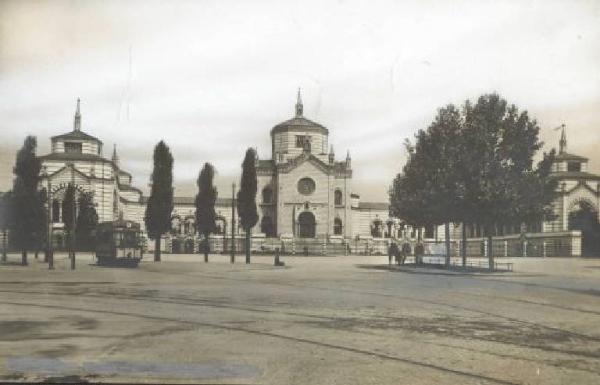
<point>119,243</point>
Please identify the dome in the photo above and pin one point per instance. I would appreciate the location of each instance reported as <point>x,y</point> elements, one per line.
<point>299,122</point>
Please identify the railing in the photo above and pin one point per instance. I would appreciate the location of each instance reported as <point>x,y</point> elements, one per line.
<point>532,245</point>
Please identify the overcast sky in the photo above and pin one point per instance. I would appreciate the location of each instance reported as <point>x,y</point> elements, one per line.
<point>213,77</point>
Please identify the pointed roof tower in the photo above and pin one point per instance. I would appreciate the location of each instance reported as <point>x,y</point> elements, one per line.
<point>115,157</point>
<point>563,141</point>
<point>299,105</point>
<point>77,120</point>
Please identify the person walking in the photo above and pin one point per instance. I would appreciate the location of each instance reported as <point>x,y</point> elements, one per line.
<point>393,252</point>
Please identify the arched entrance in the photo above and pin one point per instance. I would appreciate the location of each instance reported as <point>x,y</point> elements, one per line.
<point>189,246</point>
<point>306,225</point>
<point>176,246</point>
<point>584,217</point>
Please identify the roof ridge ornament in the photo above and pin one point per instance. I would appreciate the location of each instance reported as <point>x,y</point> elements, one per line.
<point>77,120</point>
<point>299,105</point>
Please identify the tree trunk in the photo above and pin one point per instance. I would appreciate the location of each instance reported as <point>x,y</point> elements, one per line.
<point>418,257</point>
<point>248,235</point>
<point>490,250</point>
<point>157,249</point>
<point>447,238</point>
<point>4,246</point>
<point>24,258</point>
<point>206,247</point>
<point>463,249</point>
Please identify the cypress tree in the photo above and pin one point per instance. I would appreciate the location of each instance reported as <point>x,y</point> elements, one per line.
<point>246,197</point>
<point>160,202</point>
<point>41,232</point>
<point>205,205</point>
<point>87,220</point>
<point>5,220</point>
<point>68,217</point>
<point>26,199</point>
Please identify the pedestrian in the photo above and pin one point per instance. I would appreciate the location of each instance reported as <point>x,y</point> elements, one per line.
<point>394,252</point>
<point>419,252</point>
<point>405,251</point>
<point>397,253</point>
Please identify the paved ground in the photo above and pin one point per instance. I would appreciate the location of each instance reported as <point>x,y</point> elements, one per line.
<point>330,320</point>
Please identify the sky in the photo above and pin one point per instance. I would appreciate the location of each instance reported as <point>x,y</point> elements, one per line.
<point>212,78</point>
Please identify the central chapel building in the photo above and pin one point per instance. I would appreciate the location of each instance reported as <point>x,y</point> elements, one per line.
<point>303,190</point>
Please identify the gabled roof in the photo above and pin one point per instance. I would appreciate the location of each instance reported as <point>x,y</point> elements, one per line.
<point>65,168</point>
<point>76,135</point>
<point>337,167</point>
<point>582,185</point>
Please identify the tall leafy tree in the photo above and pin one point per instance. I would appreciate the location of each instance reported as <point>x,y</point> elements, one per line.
<point>441,149</point>
<point>502,184</point>
<point>26,198</point>
<point>475,167</point>
<point>246,197</point>
<point>205,205</point>
<point>87,220</point>
<point>160,202</point>
<point>409,193</point>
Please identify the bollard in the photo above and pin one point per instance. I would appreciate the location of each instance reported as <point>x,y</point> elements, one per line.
<point>276,263</point>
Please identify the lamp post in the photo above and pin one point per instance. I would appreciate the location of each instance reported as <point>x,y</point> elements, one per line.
<point>233,223</point>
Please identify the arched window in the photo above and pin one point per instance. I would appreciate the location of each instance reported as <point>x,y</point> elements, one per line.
<point>337,226</point>
<point>337,197</point>
<point>55,211</point>
<point>267,195</point>
<point>376,228</point>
